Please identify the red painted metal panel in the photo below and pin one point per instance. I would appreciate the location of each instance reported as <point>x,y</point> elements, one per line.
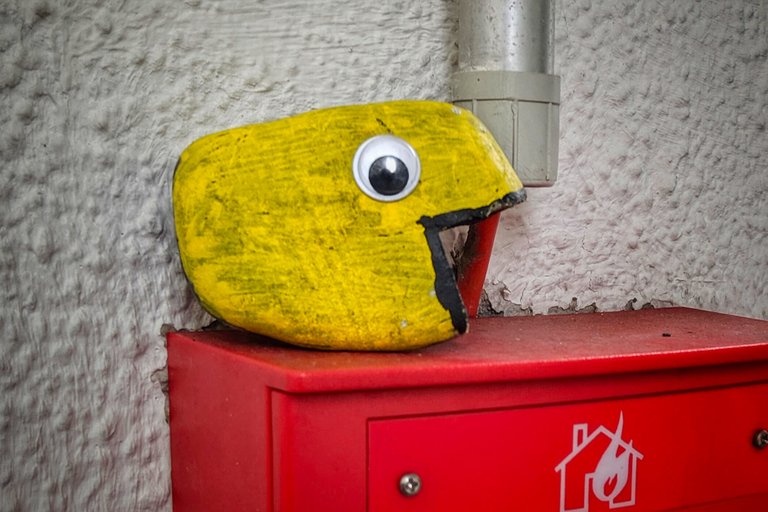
<point>755,502</point>
<point>256,425</point>
<point>509,349</point>
<point>220,430</point>
<point>661,453</point>
<point>322,454</point>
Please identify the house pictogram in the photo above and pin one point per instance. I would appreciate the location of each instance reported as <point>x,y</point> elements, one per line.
<point>601,468</point>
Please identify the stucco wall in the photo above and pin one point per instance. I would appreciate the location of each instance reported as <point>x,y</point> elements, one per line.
<point>661,198</point>
<point>663,189</point>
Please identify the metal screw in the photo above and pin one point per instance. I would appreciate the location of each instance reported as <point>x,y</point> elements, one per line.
<point>760,440</point>
<point>410,484</point>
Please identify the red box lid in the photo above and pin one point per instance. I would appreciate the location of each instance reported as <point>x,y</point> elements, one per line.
<point>510,348</point>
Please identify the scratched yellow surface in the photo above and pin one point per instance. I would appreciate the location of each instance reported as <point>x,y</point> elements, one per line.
<point>276,237</point>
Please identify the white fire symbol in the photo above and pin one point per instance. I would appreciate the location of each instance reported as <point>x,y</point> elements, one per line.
<point>616,467</point>
<point>612,471</point>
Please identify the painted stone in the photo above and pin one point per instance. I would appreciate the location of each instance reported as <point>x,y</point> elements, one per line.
<point>322,229</point>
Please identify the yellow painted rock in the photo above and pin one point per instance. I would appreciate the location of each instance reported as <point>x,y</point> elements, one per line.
<point>322,229</point>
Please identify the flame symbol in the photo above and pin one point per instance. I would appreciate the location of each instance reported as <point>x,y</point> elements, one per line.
<point>612,471</point>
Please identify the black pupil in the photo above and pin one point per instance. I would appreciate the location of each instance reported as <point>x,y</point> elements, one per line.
<point>388,175</point>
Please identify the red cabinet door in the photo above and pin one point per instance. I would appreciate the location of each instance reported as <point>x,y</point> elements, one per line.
<point>650,453</point>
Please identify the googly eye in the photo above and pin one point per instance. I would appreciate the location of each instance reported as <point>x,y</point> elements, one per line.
<point>386,168</point>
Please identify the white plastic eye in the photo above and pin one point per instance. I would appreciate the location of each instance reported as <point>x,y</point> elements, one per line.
<point>386,168</point>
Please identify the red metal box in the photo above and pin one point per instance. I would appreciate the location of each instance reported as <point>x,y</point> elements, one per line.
<point>649,410</point>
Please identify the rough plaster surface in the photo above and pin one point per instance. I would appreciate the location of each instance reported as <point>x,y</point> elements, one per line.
<point>663,189</point>
<point>662,196</point>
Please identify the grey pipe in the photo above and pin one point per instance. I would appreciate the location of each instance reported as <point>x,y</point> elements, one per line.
<point>506,60</point>
<point>517,35</point>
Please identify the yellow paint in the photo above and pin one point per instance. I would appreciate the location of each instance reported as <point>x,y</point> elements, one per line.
<point>276,237</point>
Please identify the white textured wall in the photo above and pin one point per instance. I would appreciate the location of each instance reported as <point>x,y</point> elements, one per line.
<point>663,189</point>
<point>662,196</point>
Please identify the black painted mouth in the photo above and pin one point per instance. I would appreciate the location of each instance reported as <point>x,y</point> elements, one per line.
<point>446,287</point>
